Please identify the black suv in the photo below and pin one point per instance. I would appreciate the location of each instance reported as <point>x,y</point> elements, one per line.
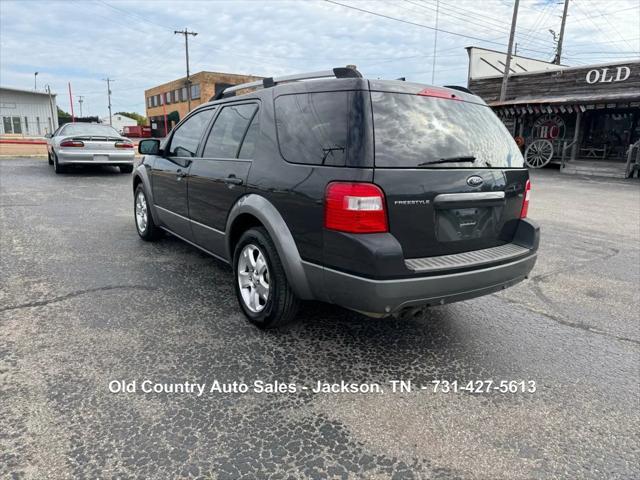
<point>379,196</point>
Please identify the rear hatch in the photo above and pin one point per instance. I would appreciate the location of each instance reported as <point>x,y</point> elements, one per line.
<point>452,174</point>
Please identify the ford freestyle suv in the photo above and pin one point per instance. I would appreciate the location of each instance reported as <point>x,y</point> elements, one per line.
<point>379,196</point>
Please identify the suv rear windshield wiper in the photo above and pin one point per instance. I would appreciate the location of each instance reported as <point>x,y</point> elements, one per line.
<point>467,158</point>
<point>330,150</point>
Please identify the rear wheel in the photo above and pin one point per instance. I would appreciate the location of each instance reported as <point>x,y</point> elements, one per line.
<point>145,225</point>
<point>56,165</point>
<point>261,285</point>
<point>126,168</point>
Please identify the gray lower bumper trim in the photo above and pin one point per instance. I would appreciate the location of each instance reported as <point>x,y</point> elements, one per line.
<point>474,258</point>
<point>383,297</point>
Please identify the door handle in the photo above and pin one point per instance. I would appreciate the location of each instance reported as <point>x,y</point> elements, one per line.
<point>180,174</point>
<point>233,180</point>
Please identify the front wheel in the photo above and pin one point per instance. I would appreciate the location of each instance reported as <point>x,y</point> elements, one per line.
<point>261,285</point>
<point>145,225</point>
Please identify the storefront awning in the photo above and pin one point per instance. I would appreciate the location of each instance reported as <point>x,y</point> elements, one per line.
<point>565,104</point>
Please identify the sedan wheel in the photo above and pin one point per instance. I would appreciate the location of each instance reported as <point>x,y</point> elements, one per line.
<point>253,278</point>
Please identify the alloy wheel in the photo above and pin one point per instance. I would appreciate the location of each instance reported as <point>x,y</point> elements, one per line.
<point>253,278</point>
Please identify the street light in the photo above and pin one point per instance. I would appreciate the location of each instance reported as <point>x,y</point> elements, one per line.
<point>35,81</point>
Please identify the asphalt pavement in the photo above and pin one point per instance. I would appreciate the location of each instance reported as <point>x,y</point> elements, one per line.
<point>86,305</point>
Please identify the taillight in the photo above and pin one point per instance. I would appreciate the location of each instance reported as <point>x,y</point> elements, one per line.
<point>355,208</point>
<point>72,143</point>
<point>525,202</point>
<point>124,145</point>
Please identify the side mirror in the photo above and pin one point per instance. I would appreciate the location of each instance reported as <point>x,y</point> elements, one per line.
<point>48,135</point>
<point>150,146</point>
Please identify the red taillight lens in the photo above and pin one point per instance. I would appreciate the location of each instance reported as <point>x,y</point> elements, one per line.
<point>124,145</point>
<point>72,143</point>
<point>525,202</point>
<point>355,208</point>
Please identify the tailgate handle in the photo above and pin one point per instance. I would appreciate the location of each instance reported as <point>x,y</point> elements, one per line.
<point>451,200</point>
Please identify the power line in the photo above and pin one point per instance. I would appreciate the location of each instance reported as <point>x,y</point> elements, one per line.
<point>415,24</point>
<point>134,15</point>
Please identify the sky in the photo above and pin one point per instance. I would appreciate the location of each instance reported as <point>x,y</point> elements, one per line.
<point>133,42</point>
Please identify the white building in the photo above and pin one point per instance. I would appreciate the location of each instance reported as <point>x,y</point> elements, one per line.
<point>27,113</point>
<point>119,121</point>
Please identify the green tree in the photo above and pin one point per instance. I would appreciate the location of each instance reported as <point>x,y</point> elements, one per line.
<point>141,119</point>
<point>63,114</point>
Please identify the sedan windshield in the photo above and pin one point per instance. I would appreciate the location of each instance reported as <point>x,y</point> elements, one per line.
<point>413,131</point>
<point>89,129</point>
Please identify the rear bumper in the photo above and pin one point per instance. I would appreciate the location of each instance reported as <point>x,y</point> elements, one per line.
<point>380,297</point>
<point>96,157</point>
<point>384,297</point>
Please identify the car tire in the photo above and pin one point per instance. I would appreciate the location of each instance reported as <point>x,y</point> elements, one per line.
<point>256,264</point>
<point>145,226</point>
<point>49,157</point>
<point>126,168</point>
<point>56,165</point>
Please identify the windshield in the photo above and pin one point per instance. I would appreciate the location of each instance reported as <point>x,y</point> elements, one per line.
<point>89,129</point>
<point>413,130</point>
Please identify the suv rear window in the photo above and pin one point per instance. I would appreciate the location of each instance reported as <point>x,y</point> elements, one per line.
<point>411,130</point>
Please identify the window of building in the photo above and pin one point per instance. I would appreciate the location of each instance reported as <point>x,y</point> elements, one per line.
<point>167,98</point>
<point>183,94</point>
<point>313,127</point>
<point>17,127</point>
<point>195,91</point>
<point>176,95</point>
<point>150,102</point>
<point>186,138</point>
<point>160,100</point>
<point>6,123</point>
<point>228,131</point>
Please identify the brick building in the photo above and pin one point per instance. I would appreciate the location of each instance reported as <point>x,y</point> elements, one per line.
<point>171,97</point>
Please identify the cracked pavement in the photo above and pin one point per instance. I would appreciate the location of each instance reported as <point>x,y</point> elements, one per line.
<point>84,301</point>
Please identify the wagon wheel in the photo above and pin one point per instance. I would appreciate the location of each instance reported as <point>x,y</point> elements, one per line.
<point>538,153</point>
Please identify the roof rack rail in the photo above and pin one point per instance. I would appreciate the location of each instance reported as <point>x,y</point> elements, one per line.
<point>459,88</point>
<point>338,72</point>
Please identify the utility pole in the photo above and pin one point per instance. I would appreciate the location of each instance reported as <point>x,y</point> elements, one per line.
<point>186,34</point>
<point>80,97</point>
<point>73,117</point>
<point>507,67</point>
<point>435,44</point>
<point>109,80</point>
<point>561,38</point>
<point>54,117</point>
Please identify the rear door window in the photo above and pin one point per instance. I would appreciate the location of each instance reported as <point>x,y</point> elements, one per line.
<point>313,127</point>
<point>186,138</point>
<point>414,131</point>
<point>248,148</point>
<point>229,130</point>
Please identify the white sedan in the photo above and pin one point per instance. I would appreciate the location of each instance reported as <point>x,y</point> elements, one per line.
<point>89,143</point>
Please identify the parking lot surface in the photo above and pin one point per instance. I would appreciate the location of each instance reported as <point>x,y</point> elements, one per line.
<point>84,302</point>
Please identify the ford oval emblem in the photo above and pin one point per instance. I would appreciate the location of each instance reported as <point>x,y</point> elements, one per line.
<point>475,181</point>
